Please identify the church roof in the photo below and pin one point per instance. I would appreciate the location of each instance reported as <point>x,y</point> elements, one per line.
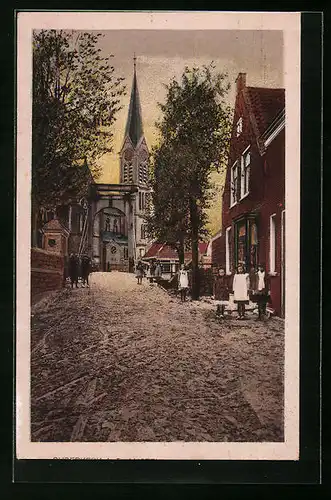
<point>134,124</point>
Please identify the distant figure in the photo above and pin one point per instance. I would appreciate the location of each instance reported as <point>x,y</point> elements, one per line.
<point>85,269</point>
<point>73,269</point>
<point>183,282</point>
<point>152,272</point>
<point>139,272</point>
<point>240,290</point>
<point>158,271</point>
<point>221,292</point>
<point>108,267</point>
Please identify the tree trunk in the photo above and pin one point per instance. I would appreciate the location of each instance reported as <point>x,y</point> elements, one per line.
<point>180,251</point>
<point>195,249</point>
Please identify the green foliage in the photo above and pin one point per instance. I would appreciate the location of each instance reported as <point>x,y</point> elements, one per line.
<point>76,96</point>
<point>194,141</point>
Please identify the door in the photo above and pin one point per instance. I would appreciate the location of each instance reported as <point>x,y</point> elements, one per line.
<point>283,264</point>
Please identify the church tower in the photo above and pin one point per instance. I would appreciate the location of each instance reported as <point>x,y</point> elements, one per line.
<point>134,165</point>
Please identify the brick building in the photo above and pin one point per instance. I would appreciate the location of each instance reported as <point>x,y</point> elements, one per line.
<point>253,207</point>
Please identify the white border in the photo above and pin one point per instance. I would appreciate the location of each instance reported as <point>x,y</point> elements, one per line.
<point>290,24</point>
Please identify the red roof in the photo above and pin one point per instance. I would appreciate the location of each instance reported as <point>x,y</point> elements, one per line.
<point>164,251</point>
<point>265,104</point>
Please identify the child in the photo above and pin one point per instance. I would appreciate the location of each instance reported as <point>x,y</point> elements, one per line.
<point>183,282</point>
<point>240,290</point>
<point>260,289</point>
<point>221,292</point>
<point>85,270</point>
<point>139,272</point>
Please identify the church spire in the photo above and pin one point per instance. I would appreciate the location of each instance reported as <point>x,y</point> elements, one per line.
<point>134,124</point>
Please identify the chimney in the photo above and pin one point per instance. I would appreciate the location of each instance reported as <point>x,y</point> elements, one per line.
<point>241,81</point>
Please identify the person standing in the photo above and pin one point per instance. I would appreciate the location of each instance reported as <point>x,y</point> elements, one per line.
<point>183,282</point>
<point>221,291</point>
<point>139,272</point>
<point>158,271</point>
<point>85,270</point>
<point>260,291</point>
<point>73,269</point>
<point>152,272</point>
<point>240,290</point>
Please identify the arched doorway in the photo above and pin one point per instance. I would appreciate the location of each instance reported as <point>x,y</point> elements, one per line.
<point>111,224</point>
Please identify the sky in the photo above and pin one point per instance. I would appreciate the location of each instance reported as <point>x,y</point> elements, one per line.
<point>163,54</point>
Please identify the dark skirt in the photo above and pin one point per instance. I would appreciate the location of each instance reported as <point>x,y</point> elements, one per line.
<point>260,298</point>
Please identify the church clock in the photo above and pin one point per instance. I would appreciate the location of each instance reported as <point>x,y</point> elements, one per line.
<point>128,155</point>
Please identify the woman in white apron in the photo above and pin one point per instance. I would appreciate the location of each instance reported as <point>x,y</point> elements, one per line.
<point>183,282</point>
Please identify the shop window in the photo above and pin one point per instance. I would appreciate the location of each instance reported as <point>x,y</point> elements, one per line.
<point>234,184</point>
<point>246,243</point>
<point>245,173</point>
<point>272,244</point>
<point>228,256</point>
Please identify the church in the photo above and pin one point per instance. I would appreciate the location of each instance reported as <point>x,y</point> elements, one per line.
<point>116,233</point>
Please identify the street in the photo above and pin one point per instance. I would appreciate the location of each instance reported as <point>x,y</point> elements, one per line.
<point>122,362</point>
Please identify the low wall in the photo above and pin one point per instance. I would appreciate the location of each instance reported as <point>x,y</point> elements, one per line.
<point>47,271</point>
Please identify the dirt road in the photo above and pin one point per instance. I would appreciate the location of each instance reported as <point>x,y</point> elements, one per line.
<point>122,362</point>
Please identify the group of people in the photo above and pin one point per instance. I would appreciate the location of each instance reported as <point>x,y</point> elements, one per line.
<point>79,268</point>
<point>153,272</point>
<point>245,286</point>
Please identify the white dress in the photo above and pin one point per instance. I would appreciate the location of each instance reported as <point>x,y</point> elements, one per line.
<point>240,287</point>
<point>183,279</point>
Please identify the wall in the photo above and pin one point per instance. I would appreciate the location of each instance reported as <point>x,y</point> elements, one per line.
<point>47,271</point>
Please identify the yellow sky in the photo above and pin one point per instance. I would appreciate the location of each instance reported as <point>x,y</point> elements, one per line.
<point>164,54</point>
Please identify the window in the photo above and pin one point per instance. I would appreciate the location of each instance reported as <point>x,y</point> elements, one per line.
<point>130,172</point>
<point>140,200</point>
<point>228,259</point>
<point>234,184</point>
<point>125,253</point>
<point>246,243</point>
<point>143,231</point>
<point>239,126</point>
<point>165,266</point>
<point>272,243</point>
<point>81,223</point>
<point>125,172</point>
<point>245,173</point>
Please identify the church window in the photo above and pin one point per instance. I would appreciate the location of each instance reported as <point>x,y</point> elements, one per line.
<point>130,172</point>
<point>125,172</point>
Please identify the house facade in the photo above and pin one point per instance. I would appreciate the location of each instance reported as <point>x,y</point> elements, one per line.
<point>253,217</point>
<point>169,260</point>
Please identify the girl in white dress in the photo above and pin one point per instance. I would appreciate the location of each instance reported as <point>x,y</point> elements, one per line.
<point>240,290</point>
<point>183,282</point>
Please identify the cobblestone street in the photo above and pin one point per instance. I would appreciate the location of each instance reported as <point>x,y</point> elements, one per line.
<point>122,362</point>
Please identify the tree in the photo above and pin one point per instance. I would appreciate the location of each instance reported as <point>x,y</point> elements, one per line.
<point>76,97</point>
<point>196,127</point>
<point>170,222</point>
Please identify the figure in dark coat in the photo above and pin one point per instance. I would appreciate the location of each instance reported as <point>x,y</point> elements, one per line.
<point>222,288</point>
<point>85,269</point>
<point>73,269</point>
<point>259,285</point>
